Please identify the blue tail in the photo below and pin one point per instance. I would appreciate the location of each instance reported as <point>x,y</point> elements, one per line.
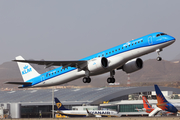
<point>162,102</point>
<point>59,105</point>
<point>159,95</point>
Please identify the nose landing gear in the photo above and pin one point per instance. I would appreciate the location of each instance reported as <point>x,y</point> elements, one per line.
<point>158,55</point>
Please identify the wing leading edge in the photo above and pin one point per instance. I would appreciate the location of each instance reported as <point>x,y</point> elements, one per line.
<point>77,64</point>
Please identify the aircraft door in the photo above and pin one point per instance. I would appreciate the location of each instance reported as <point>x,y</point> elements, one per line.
<point>150,40</point>
<point>42,78</point>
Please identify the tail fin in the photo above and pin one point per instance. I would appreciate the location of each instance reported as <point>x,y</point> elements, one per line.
<point>160,97</point>
<point>146,103</point>
<point>26,70</point>
<point>162,102</point>
<point>59,105</point>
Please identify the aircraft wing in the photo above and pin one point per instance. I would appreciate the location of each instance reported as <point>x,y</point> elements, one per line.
<point>19,83</point>
<point>81,64</point>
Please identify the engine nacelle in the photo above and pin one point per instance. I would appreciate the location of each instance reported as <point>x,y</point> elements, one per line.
<point>97,64</point>
<point>133,65</point>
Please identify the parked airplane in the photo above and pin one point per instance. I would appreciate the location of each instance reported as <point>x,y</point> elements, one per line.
<point>147,107</point>
<point>83,113</point>
<point>124,56</point>
<point>163,104</point>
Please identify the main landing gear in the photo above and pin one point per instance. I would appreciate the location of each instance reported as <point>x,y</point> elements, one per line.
<point>111,79</point>
<point>158,55</point>
<point>86,80</point>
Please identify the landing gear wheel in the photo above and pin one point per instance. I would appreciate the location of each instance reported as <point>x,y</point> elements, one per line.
<point>159,58</point>
<point>111,80</point>
<point>86,80</point>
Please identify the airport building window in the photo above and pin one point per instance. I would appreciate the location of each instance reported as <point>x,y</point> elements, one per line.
<point>130,108</point>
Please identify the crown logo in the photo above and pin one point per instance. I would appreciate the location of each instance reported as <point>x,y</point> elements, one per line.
<point>25,67</point>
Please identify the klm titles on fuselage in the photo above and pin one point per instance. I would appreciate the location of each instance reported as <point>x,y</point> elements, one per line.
<point>26,70</point>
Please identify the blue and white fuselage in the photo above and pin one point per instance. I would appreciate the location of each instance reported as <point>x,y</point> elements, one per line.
<point>124,56</point>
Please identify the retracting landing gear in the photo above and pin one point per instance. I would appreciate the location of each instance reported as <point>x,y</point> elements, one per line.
<point>158,55</point>
<point>86,79</point>
<point>111,79</point>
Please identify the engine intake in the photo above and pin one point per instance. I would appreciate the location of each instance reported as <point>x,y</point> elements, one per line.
<point>133,65</point>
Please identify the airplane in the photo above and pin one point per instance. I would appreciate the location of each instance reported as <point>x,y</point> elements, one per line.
<point>83,113</point>
<point>124,56</point>
<point>163,104</point>
<point>147,107</point>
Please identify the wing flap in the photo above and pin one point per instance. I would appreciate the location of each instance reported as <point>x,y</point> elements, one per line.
<point>19,83</point>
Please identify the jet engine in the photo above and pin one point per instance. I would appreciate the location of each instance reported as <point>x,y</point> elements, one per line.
<point>97,64</point>
<point>133,65</point>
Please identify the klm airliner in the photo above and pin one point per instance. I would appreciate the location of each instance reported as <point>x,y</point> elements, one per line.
<point>124,56</point>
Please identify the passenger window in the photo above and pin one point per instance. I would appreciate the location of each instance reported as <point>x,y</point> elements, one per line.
<point>103,55</point>
<point>106,53</point>
<point>126,46</point>
<point>119,48</point>
<point>109,52</point>
<point>112,51</point>
<point>138,41</point>
<point>135,42</point>
<point>129,45</point>
<point>132,43</point>
<point>115,50</point>
<point>141,40</point>
<point>122,47</point>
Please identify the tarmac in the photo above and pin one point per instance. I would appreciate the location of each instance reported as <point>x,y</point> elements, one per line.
<point>108,118</point>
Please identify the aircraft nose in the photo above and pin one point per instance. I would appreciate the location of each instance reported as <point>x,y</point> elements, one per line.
<point>170,38</point>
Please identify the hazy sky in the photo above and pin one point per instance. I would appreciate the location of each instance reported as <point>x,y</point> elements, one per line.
<point>74,29</point>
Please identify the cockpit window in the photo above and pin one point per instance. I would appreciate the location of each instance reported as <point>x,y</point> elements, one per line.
<point>157,35</point>
<point>160,34</point>
<point>163,34</point>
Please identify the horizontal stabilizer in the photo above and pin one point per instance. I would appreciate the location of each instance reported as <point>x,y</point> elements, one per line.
<point>19,83</point>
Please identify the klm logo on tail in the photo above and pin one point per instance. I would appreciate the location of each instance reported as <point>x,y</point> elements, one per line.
<point>58,105</point>
<point>26,70</point>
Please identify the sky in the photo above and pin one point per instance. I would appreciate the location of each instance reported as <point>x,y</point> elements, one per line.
<point>74,29</point>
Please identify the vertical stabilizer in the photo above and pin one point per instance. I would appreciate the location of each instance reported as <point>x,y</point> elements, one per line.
<point>59,105</point>
<point>146,103</point>
<point>26,70</point>
<point>160,97</point>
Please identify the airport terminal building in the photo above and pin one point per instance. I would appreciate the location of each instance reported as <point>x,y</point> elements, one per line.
<point>38,102</point>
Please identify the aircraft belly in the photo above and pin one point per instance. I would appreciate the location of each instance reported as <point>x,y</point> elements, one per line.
<point>62,78</point>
